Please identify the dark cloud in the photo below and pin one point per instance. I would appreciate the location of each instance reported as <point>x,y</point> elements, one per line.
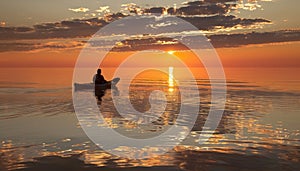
<point>29,46</point>
<point>204,10</point>
<point>6,47</point>
<point>218,41</point>
<point>209,23</point>
<point>206,7</point>
<point>190,10</point>
<point>149,42</point>
<point>236,40</point>
<point>204,2</point>
<point>88,27</point>
<point>10,30</point>
<point>64,29</point>
<point>203,7</point>
<point>155,10</point>
<point>206,15</point>
<point>163,43</point>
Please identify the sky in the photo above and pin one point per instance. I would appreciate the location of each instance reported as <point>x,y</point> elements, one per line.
<point>283,13</point>
<point>245,33</point>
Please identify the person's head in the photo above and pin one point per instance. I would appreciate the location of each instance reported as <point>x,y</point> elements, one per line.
<point>99,71</point>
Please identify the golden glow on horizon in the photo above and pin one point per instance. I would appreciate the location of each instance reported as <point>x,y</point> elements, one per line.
<point>171,52</point>
<point>266,55</point>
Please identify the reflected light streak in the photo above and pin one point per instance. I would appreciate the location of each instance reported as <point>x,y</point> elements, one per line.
<point>171,81</point>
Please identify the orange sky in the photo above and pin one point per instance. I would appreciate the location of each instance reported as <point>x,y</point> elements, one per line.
<point>266,55</point>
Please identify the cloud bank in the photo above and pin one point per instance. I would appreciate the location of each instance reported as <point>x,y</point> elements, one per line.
<point>209,16</point>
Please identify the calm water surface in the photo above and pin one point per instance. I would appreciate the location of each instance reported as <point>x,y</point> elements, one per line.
<point>259,129</point>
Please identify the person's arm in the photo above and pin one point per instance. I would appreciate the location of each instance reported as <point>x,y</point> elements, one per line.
<point>105,80</point>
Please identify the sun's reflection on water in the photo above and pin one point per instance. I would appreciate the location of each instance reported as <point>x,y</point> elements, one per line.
<point>240,135</point>
<point>171,79</point>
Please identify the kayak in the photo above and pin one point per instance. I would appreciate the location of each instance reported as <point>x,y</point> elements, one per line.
<point>89,86</point>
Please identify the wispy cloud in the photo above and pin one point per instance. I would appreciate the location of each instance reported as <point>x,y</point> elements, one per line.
<point>104,9</point>
<point>31,45</point>
<point>80,9</point>
<point>131,8</point>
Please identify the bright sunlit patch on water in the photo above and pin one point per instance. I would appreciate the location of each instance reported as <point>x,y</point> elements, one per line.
<point>171,81</point>
<point>171,89</point>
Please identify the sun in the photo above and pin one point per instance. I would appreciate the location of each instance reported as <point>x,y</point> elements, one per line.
<point>171,52</point>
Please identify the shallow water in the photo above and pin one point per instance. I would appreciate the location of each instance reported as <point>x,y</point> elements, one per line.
<point>259,129</point>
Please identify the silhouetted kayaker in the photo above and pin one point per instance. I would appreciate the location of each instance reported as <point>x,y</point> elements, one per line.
<point>98,78</point>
